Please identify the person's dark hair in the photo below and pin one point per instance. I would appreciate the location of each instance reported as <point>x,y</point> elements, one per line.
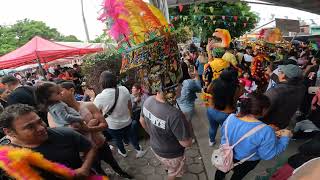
<point>289,61</point>
<point>67,85</point>
<point>137,85</point>
<point>107,80</point>
<point>254,104</point>
<point>193,48</point>
<point>9,80</point>
<point>185,72</point>
<point>292,52</point>
<point>12,112</point>
<point>224,89</point>
<point>43,92</point>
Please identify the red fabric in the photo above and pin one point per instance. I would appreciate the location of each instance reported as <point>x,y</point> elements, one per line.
<point>43,49</point>
<point>283,173</point>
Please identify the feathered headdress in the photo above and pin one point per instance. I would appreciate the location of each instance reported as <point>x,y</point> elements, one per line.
<point>133,18</point>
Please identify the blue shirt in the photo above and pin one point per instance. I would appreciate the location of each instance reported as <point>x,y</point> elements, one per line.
<point>200,67</point>
<point>188,94</point>
<point>264,142</point>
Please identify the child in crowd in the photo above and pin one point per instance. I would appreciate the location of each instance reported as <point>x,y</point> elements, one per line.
<point>48,95</point>
<point>247,82</point>
<point>262,145</point>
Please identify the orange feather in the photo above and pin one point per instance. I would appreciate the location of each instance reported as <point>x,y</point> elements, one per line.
<point>146,13</point>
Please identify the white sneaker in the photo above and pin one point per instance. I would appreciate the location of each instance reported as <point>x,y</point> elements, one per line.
<point>141,153</point>
<point>211,143</point>
<point>123,155</point>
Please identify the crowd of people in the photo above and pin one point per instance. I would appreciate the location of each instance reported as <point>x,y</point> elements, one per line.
<point>248,88</point>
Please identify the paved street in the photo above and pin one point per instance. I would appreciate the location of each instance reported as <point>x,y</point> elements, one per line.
<point>198,159</point>
<point>149,168</point>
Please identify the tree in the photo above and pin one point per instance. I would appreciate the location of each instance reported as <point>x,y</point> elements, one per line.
<point>204,18</point>
<point>12,37</point>
<point>8,40</point>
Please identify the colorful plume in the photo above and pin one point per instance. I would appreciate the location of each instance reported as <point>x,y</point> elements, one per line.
<point>114,9</point>
<point>132,16</point>
<point>18,163</point>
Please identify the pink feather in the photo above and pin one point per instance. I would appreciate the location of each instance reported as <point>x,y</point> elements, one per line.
<point>119,27</point>
<point>113,9</point>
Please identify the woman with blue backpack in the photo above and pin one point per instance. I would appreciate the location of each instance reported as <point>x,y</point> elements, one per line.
<point>246,140</point>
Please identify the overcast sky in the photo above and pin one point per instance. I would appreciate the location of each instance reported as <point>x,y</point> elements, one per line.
<point>65,15</point>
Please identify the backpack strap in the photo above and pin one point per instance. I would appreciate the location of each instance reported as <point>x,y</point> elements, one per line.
<point>226,128</point>
<point>252,131</point>
<point>116,96</point>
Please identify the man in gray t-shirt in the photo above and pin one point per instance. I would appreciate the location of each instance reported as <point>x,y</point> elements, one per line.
<point>169,133</point>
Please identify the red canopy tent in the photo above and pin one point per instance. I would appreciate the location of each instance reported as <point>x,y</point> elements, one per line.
<point>39,50</point>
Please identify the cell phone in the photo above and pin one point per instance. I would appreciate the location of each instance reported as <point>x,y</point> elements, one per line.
<point>313,89</point>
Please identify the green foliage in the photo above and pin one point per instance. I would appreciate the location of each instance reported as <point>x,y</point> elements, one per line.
<point>103,38</point>
<point>8,40</point>
<point>201,21</point>
<point>12,37</point>
<point>94,65</point>
<point>183,34</point>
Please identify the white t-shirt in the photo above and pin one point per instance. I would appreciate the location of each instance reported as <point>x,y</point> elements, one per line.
<point>120,116</point>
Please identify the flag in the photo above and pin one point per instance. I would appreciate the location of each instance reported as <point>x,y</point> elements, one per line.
<point>196,9</point>
<point>211,9</point>
<point>247,18</point>
<point>211,17</point>
<point>235,18</point>
<point>223,17</point>
<point>234,23</point>
<point>214,22</point>
<point>244,24</point>
<point>180,7</point>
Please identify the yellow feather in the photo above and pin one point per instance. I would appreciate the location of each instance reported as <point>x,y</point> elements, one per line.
<point>159,15</point>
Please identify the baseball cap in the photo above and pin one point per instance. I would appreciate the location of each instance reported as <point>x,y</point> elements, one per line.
<point>291,71</point>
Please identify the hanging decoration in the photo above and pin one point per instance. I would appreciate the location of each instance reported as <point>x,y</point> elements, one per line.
<point>223,17</point>
<point>247,18</point>
<point>244,24</point>
<point>211,9</point>
<point>214,22</point>
<point>180,7</point>
<point>234,23</point>
<point>211,17</point>
<point>235,18</point>
<point>196,9</point>
<point>21,163</point>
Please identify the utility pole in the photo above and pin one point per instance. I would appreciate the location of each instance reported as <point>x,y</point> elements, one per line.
<point>84,22</point>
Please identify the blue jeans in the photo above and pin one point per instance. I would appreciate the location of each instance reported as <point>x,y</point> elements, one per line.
<point>118,135</point>
<point>215,118</point>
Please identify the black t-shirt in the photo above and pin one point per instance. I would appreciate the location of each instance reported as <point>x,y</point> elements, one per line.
<point>63,146</point>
